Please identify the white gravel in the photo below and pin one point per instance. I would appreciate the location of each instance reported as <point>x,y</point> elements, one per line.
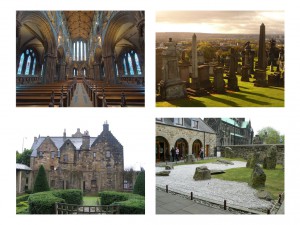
<point>237,193</point>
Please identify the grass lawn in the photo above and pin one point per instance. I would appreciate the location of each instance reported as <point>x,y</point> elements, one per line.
<point>90,201</point>
<point>248,96</point>
<point>274,182</point>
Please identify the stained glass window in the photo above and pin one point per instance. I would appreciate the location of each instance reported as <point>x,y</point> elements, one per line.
<point>21,64</point>
<point>28,65</point>
<point>33,67</point>
<point>42,70</point>
<point>74,51</point>
<point>77,56</point>
<point>130,64</point>
<point>84,51</point>
<point>125,68</point>
<point>138,68</point>
<point>81,52</point>
<point>117,71</point>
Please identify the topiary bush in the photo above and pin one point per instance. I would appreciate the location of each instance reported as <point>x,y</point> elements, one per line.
<point>41,182</point>
<point>43,203</point>
<point>71,196</point>
<point>139,186</point>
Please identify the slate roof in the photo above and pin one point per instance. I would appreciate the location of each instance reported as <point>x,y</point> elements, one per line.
<point>59,141</point>
<point>22,167</point>
<point>202,126</point>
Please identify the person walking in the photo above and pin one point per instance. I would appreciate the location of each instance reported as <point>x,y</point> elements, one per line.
<point>177,154</point>
<point>173,154</point>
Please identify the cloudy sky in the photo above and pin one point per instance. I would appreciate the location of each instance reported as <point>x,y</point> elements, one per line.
<point>242,22</point>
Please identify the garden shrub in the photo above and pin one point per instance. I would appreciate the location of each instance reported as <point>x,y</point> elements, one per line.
<point>71,196</point>
<point>43,203</point>
<point>22,208</point>
<point>109,197</point>
<point>132,206</point>
<point>41,182</point>
<point>139,186</point>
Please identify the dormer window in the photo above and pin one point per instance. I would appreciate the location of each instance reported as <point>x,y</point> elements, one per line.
<point>178,121</point>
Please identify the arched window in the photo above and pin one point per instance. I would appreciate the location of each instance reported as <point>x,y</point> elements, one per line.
<point>137,62</point>
<point>77,55</point>
<point>42,70</point>
<point>130,64</point>
<point>74,51</point>
<point>117,71</point>
<point>79,50</point>
<point>28,65</point>
<point>125,68</point>
<point>21,64</point>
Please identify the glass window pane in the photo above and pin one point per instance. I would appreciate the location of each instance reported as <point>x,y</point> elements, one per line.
<point>137,62</point>
<point>81,52</point>
<point>21,64</point>
<point>117,71</point>
<point>77,56</point>
<point>84,51</point>
<point>130,64</point>
<point>74,52</point>
<point>33,67</point>
<point>28,65</point>
<point>125,68</point>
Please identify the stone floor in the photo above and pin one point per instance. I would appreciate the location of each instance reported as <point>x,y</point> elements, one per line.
<point>80,98</point>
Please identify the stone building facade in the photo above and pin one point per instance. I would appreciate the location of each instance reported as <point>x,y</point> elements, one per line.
<point>231,131</point>
<point>91,164</point>
<point>188,134</point>
<point>23,178</point>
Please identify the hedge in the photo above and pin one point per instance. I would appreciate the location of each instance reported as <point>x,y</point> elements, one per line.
<point>22,198</point>
<point>44,202</point>
<point>71,196</point>
<point>41,182</point>
<point>129,203</point>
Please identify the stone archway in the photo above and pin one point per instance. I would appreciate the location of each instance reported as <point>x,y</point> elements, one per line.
<point>197,145</point>
<point>162,149</point>
<point>183,147</point>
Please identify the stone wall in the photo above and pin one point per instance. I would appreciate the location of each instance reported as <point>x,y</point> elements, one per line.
<point>243,151</point>
<point>172,134</point>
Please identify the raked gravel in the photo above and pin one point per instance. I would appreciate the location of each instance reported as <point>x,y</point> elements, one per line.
<point>237,193</point>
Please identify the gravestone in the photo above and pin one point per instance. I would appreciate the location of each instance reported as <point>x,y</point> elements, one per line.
<point>232,79</point>
<point>203,74</point>
<point>171,86</point>
<point>253,160</point>
<point>270,160</point>
<point>258,177</point>
<point>219,83</point>
<point>202,173</point>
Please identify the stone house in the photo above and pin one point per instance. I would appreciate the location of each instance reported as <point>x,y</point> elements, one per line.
<point>23,178</point>
<point>91,164</point>
<point>188,134</point>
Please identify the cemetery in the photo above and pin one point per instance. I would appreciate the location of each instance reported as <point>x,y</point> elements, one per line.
<point>251,75</point>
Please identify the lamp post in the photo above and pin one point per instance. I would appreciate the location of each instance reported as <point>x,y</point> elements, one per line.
<point>22,150</point>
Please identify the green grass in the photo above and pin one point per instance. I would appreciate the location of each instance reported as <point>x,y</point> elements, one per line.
<point>274,182</point>
<point>90,201</point>
<point>248,96</point>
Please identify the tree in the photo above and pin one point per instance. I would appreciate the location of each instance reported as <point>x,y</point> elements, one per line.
<point>41,182</point>
<point>270,136</point>
<point>139,186</point>
<point>24,157</point>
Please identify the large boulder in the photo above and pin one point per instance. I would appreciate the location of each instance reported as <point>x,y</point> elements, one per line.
<point>258,177</point>
<point>253,160</point>
<point>264,195</point>
<point>163,173</point>
<point>169,167</point>
<point>202,173</point>
<point>270,160</point>
<point>189,159</point>
<point>229,153</point>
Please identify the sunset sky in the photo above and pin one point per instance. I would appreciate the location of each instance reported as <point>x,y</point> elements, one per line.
<point>242,22</point>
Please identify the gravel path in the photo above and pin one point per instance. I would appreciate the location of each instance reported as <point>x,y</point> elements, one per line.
<point>237,193</point>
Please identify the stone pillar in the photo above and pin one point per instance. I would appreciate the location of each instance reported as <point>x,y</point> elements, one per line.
<point>96,71</point>
<point>110,69</point>
<point>171,86</point>
<point>62,71</point>
<point>260,72</point>
<point>232,79</point>
<point>50,68</point>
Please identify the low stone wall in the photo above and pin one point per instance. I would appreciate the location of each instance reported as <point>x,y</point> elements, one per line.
<point>243,151</point>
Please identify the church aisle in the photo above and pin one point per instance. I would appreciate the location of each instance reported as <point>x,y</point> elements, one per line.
<point>80,98</point>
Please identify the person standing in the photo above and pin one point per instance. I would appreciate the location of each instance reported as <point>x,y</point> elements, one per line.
<point>202,153</point>
<point>173,154</point>
<point>177,154</point>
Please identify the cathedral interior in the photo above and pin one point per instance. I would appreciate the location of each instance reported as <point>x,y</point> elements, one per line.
<point>80,58</point>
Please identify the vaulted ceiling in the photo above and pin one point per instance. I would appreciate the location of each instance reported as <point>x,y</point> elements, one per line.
<point>79,23</point>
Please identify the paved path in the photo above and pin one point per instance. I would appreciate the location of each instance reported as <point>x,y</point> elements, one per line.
<point>167,203</point>
<point>80,98</point>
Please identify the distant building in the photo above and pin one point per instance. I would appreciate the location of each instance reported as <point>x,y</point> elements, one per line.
<point>23,178</point>
<point>231,131</point>
<point>188,134</point>
<point>91,164</point>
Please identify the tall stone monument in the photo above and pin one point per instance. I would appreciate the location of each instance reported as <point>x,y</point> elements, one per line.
<point>260,72</point>
<point>194,79</point>
<point>171,86</point>
<point>232,79</point>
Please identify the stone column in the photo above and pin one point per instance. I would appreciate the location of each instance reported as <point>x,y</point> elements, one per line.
<point>194,57</point>
<point>96,71</point>
<point>62,71</point>
<point>260,72</point>
<point>110,69</point>
<point>50,68</point>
